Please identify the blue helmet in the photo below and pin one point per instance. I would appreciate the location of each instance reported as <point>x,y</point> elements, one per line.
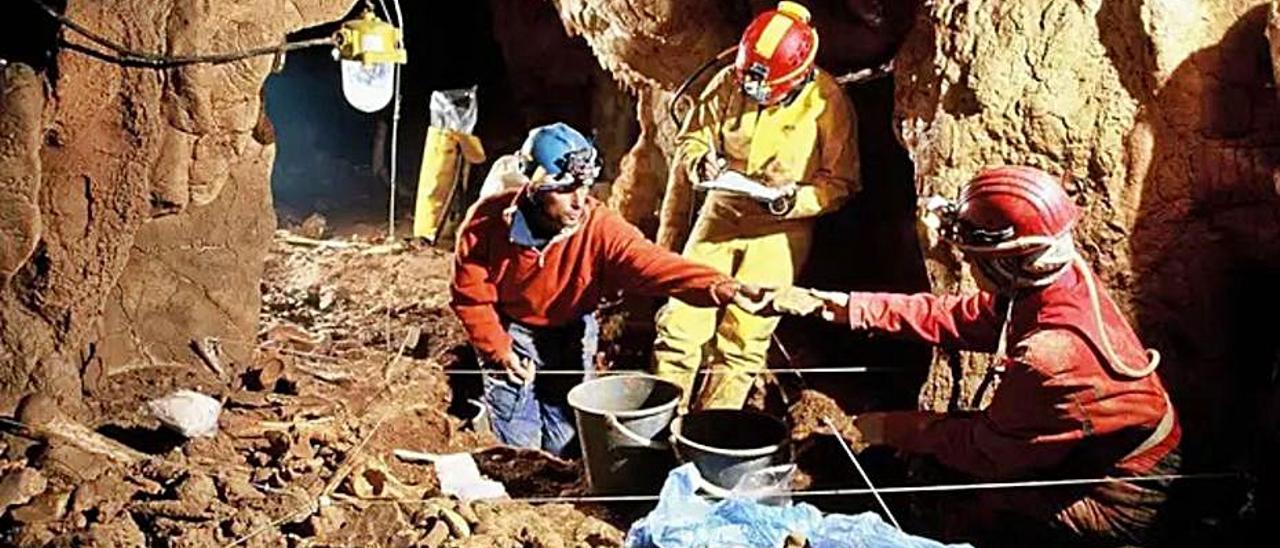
<point>556,156</point>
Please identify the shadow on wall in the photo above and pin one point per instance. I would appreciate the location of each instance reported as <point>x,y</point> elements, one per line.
<point>1206,242</point>
<point>869,245</point>
<point>35,40</point>
<point>860,33</point>
<point>323,159</point>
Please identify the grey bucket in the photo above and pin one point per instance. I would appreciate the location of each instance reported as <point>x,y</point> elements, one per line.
<point>622,427</point>
<point>728,444</point>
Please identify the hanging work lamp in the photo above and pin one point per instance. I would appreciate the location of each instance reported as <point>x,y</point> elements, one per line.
<point>368,50</point>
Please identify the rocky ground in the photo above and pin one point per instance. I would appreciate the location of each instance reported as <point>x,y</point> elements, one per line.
<point>351,362</point>
<point>357,356</point>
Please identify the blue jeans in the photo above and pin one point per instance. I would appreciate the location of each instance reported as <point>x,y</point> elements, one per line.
<point>537,415</point>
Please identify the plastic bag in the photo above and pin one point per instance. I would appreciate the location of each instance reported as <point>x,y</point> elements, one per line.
<point>454,109</point>
<point>770,485</point>
<point>504,174</point>
<point>684,519</point>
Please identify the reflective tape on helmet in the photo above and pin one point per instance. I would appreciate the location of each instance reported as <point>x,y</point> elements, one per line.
<point>773,34</point>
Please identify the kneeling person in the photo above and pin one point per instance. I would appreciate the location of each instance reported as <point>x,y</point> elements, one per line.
<point>530,268</point>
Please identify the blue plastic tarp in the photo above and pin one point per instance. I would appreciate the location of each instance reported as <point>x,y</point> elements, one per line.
<point>684,519</point>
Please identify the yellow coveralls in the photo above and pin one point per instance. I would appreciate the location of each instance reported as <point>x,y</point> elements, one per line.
<point>810,141</point>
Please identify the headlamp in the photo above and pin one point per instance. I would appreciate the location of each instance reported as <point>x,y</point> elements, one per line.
<point>754,83</point>
<point>577,168</point>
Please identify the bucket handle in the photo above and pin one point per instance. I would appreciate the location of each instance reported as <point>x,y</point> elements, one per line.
<point>635,438</point>
<point>714,490</point>
<point>480,422</point>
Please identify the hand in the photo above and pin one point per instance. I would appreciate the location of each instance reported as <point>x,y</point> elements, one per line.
<point>519,370</point>
<point>779,301</point>
<point>709,167</point>
<point>725,291</point>
<point>755,299</point>
<point>835,306</point>
<point>776,175</point>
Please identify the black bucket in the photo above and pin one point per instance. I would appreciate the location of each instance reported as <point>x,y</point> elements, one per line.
<point>728,444</point>
<point>622,424</point>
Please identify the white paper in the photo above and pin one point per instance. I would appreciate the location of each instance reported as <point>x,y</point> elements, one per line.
<point>737,183</point>
<point>458,475</point>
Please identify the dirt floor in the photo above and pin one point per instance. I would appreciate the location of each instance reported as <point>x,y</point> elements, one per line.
<point>352,362</point>
<point>350,365</point>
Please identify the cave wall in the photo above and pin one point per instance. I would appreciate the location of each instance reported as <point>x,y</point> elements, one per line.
<point>146,201</point>
<point>1161,113</point>
<point>551,76</point>
<point>1164,117</point>
<point>649,47</point>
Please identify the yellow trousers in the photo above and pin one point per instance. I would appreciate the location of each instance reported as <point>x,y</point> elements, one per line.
<point>767,256</point>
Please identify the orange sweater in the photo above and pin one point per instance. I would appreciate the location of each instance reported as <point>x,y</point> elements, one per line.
<point>495,278</point>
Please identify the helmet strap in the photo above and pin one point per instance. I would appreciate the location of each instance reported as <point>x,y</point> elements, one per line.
<point>792,95</point>
<point>997,368</point>
<point>1113,358</point>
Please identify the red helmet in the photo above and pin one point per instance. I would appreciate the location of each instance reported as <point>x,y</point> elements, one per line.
<point>776,53</point>
<point>1012,210</point>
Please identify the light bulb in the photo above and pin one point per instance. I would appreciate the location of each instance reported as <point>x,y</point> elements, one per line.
<point>368,87</point>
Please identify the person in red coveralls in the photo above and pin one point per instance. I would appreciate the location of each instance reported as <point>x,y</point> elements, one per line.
<point>530,268</point>
<point>1078,395</point>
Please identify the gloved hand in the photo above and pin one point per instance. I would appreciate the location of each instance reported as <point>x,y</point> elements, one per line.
<point>519,370</point>
<point>725,291</point>
<point>835,306</point>
<point>709,167</point>
<point>787,300</point>
<point>755,299</point>
<point>775,174</point>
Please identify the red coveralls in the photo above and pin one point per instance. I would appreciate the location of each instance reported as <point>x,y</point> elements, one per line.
<point>1059,411</point>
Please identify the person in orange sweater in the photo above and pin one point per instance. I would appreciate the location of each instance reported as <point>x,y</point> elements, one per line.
<point>531,266</point>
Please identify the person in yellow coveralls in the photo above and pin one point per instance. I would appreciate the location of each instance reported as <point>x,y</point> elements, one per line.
<point>773,140</point>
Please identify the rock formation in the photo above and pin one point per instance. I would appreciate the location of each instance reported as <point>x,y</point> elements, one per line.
<point>1161,115</point>
<point>136,206</point>
<point>1163,118</point>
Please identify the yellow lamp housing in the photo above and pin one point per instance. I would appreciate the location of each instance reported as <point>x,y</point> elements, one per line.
<point>370,40</point>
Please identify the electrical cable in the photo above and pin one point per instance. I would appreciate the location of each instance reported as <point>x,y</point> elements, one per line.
<point>128,57</point>
<point>395,119</point>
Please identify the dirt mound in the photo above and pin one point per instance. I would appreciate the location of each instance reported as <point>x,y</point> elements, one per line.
<point>809,412</point>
